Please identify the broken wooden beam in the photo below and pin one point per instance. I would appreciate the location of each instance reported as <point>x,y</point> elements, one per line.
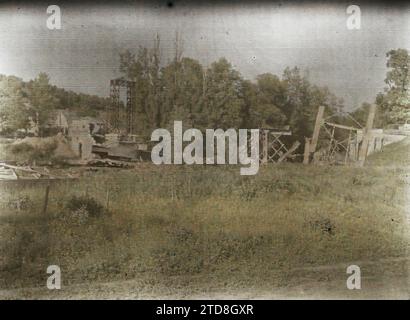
<point>292,149</point>
<point>7,174</point>
<point>340,126</point>
<point>316,130</point>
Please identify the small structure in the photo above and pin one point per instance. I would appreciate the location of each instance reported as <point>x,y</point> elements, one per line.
<point>81,134</point>
<point>59,121</point>
<point>346,143</point>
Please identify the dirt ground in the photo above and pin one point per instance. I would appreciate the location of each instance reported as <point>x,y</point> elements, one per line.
<point>393,284</point>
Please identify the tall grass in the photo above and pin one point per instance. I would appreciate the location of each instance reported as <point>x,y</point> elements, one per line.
<point>202,225</point>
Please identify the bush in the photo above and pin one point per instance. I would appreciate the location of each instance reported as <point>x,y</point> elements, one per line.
<point>30,152</point>
<point>92,206</point>
<point>21,148</point>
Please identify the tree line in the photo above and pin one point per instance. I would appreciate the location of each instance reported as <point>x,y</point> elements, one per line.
<point>393,104</point>
<point>36,99</point>
<point>218,96</point>
<point>214,96</point>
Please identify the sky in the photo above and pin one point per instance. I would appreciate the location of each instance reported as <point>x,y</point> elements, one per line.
<point>255,36</point>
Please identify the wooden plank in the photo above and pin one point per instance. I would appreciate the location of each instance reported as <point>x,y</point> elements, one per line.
<point>265,146</point>
<point>336,125</point>
<point>367,135</point>
<point>28,169</point>
<point>306,153</point>
<point>46,198</point>
<point>7,174</point>
<point>316,130</point>
<point>281,133</point>
<point>292,149</point>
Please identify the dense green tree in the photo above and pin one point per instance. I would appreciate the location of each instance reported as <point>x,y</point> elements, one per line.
<point>302,102</point>
<point>394,103</point>
<point>20,101</point>
<point>250,118</point>
<point>298,105</point>
<point>81,103</point>
<point>183,91</point>
<point>42,100</point>
<point>145,69</point>
<point>361,114</point>
<point>223,101</point>
<point>218,97</point>
<point>269,101</point>
<point>13,104</point>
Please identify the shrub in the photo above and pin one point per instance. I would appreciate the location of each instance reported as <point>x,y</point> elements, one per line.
<point>81,203</point>
<point>21,148</point>
<point>324,225</point>
<point>29,151</point>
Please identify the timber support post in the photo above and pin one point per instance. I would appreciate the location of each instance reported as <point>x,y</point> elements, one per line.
<point>306,153</point>
<point>46,198</point>
<point>265,138</point>
<point>367,135</point>
<point>311,144</point>
<point>316,130</point>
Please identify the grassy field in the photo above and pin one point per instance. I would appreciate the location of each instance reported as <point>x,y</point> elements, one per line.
<point>201,228</point>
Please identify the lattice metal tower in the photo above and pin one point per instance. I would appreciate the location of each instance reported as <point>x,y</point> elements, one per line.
<point>115,119</point>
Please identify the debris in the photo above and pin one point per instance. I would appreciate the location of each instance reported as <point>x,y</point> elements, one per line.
<point>24,169</point>
<point>7,173</point>
<point>108,163</point>
<point>273,148</point>
<point>288,153</point>
<point>27,173</point>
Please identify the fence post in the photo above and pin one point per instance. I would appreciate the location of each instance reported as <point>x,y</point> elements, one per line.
<point>107,198</point>
<point>367,135</point>
<point>46,198</point>
<point>265,138</point>
<point>316,130</point>
<point>306,153</point>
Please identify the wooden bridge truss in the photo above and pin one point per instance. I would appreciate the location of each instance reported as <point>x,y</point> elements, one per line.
<point>347,145</point>
<point>347,142</point>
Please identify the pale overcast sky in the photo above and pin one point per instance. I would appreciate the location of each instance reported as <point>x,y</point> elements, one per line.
<point>257,37</point>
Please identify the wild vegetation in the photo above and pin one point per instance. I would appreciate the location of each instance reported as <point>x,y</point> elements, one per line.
<point>393,103</point>
<point>206,97</point>
<point>36,151</point>
<point>204,227</point>
<point>21,101</point>
<point>218,96</point>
